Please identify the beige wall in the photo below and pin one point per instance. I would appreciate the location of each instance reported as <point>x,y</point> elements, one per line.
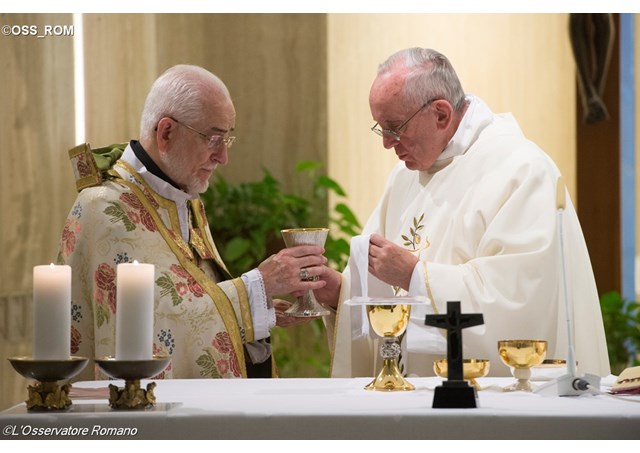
<point>36,190</point>
<point>520,63</point>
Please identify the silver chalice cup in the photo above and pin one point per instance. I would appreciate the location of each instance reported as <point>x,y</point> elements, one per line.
<point>305,306</point>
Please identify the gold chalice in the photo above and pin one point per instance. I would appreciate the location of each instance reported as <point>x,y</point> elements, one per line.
<point>522,355</point>
<point>305,306</point>
<point>471,369</point>
<point>389,322</point>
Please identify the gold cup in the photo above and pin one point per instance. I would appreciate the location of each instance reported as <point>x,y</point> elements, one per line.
<point>389,322</point>
<point>522,355</point>
<point>471,369</point>
<point>305,306</point>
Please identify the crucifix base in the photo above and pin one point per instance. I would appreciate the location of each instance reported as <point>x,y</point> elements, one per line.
<point>455,395</point>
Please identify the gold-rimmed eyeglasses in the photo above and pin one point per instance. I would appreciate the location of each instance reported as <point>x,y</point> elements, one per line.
<point>395,133</point>
<point>213,141</point>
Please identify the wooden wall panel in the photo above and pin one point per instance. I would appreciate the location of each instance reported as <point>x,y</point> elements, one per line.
<point>520,63</point>
<point>120,66</point>
<point>36,182</point>
<point>275,68</point>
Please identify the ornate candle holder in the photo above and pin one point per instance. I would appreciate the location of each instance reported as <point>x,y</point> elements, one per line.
<point>132,396</point>
<point>49,393</point>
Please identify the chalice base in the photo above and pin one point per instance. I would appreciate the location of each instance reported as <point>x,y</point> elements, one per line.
<point>306,307</point>
<point>132,396</point>
<point>48,396</point>
<point>390,379</point>
<point>523,384</point>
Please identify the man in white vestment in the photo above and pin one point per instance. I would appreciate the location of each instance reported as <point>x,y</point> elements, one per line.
<point>469,214</point>
<point>140,201</point>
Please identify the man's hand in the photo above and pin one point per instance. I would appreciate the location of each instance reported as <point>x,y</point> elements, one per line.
<point>390,263</point>
<point>284,272</point>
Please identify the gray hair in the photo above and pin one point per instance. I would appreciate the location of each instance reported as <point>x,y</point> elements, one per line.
<point>179,92</point>
<point>430,75</point>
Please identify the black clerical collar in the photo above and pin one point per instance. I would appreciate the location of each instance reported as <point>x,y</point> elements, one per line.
<point>148,162</point>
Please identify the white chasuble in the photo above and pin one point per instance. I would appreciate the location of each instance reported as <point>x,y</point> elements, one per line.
<point>483,223</point>
<point>201,324</point>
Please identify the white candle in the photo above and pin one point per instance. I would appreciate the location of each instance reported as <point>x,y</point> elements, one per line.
<point>134,311</point>
<point>51,312</point>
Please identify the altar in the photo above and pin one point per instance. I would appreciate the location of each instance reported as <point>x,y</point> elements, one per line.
<point>327,409</point>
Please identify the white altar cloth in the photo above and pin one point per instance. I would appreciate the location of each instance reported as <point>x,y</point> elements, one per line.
<point>329,409</point>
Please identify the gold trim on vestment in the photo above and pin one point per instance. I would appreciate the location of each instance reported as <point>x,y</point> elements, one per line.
<point>200,219</point>
<point>94,178</point>
<point>168,205</point>
<point>426,281</point>
<point>245,311</point>
<point>219,297</point>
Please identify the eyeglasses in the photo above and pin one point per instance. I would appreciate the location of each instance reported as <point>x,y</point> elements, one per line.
<point>213,141</point>
<point>395,133</point>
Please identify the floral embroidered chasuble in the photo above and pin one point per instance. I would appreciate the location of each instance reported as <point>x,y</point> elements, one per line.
<point>201,324</point>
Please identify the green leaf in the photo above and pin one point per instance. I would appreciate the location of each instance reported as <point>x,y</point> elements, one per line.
<point>330,184</point>
<point>102,315</point>
<point>208,365</point>
<point>116,213</point>
<point>306,165</point>
<point>236,248</point>
<point>347,214</point>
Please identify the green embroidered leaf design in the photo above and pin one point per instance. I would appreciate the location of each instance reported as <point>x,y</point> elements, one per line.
<point>102,315</point>
<point>208,365</point>
<point>168,287</point>
<point>116,213</point>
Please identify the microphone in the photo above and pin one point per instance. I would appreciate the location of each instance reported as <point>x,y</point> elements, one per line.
<point>569,384</point>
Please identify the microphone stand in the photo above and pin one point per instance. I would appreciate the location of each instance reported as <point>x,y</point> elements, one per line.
<point>569,384</point>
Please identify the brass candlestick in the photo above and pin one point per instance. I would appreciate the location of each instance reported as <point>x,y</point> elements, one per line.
<point>132,395</point>
<point>48,393</point>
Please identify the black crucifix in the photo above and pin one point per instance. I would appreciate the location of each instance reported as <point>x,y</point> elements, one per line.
<point>455,392</point>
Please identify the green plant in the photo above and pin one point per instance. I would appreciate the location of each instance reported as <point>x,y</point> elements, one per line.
<point>246,219</point>
<point>621,319</point>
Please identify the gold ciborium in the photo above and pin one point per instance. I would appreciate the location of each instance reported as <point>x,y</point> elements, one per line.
<point>389,322</point>
<point>305,306</point>
<point>522,355</point>
<point>471,369</point>
<point>48,393</point>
